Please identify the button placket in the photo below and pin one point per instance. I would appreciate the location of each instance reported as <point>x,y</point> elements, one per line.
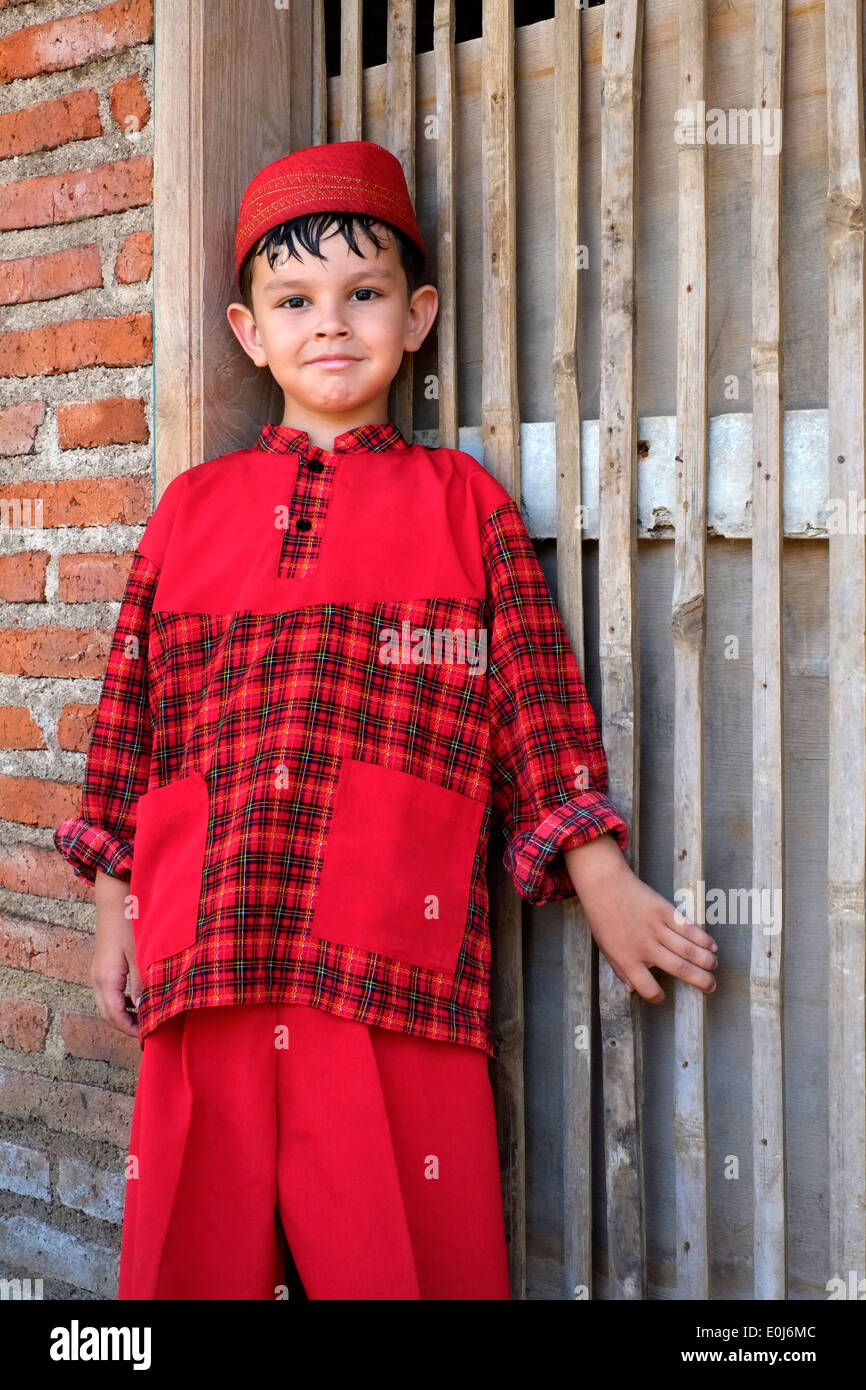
<point>308,508</point>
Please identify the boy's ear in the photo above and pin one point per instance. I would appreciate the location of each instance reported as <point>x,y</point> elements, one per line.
<point>423,308</point>
<point>243,325</point>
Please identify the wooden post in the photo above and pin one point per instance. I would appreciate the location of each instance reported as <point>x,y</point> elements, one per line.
<point>446,224</point>
<point>618,639</point>
<point>500,433</point>
<point>577,942</point>
<point>351,70</point>
<point>688,627</point>
<point>208,396</point>
<point>846,900</point>
<point>401,142</point>
<point>768,845</point>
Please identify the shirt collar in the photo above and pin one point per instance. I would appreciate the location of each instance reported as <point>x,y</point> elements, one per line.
<point>285,439</point>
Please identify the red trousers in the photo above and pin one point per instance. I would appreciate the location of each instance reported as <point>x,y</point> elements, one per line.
<point>371,1153</point>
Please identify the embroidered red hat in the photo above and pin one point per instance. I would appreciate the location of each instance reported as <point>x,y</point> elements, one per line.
<point>349,176</point>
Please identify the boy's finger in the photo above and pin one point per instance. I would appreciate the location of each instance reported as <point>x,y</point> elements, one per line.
<point>687,948</point>
<point>114,1011</point>
<point>647,985</point>
<point>684,927</point>
<point>675,965</point>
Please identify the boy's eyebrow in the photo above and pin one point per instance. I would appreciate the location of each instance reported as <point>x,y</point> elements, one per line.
<point>377,274</point>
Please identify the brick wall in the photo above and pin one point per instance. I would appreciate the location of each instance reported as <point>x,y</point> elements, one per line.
<point>75,491</point>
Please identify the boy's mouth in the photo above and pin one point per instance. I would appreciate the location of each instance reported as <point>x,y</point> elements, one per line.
<point>333,363</point>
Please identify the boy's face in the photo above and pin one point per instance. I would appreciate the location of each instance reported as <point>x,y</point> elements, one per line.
<point>333,331</point>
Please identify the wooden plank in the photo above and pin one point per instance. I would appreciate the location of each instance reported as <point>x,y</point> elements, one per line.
<point>401,142</point>
<point>688,631</point>
<point>847,753</point>
<point>500,419</point>
<point>768,846</point>
<point>351,70</point>
<point>319,134</point>
<point>577,941</point>
<point>618,642</point>
<point>177,227</point>
<point>253,85</point>
<point>446,224</point>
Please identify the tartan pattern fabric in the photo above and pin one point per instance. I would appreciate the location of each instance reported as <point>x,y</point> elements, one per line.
<point>267,702</point>
<point>305,519</point>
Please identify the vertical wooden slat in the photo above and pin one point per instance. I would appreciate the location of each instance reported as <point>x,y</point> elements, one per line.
<point>401,142</point>
<point>177,222</point>
<point>618,636</point>
<point>768,848</point>
<point>351,70</point>
<point>847,568</point>
<point>320,75</point>
<point>577,943</point>
<point>688,628</point>
<point>500,434</point>
<point>446,224</point>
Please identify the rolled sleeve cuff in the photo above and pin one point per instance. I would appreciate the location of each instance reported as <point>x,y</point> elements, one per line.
<point>89,847</point>
<point>533,859</point>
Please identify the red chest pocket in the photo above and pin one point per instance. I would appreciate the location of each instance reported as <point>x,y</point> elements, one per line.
<point>171,825</point>
<point>398,865</point>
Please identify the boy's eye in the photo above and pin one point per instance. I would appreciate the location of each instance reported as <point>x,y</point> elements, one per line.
<point>295,299</point>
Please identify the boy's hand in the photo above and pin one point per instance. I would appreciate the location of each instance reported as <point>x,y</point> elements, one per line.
<point>637,930</point>
<point>113,972</point>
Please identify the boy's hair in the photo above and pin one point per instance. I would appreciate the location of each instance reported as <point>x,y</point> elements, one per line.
<point>307,232</point>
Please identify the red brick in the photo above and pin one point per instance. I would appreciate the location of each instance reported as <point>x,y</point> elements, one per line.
<point>113,420</point>
<point>22,576</point>
<point>83,501</point>
<point>134,259</point>
<point>18,426</point>
<point>129,106</point>
<point>41,872</point>
<point>86,1036</point>
<point>54,651</point>
<point>49,124</point>
<point>52,199</point>
<point>75,727</point>
<point>69,43</point>
<point>58,953</point>
<point>93,578</point>
<point>18,728</point>
<point>37,801</point>
<point>66,1106</point>
<point>64,347</point>
<point>23,1024</point>
<point>33,278</point>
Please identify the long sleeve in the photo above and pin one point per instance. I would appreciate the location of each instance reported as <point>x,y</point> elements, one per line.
<point>118,760</point>
<point>549,771</point>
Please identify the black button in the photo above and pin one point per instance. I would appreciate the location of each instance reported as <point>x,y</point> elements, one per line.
<point>315,465</point>
<point>302,524</point>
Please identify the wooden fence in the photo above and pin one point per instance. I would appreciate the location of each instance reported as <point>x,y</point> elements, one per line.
<point>648,250</point>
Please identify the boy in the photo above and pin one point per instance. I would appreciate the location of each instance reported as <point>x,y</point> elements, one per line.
<point>336,662</point>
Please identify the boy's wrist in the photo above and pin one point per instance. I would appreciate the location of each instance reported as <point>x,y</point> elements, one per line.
<point>600,856</point>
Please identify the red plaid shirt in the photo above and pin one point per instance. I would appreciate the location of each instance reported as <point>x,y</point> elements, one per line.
<point>331,673</point>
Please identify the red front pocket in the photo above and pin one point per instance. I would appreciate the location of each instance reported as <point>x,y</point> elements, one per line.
<point>167,863</point>
<point>398,865</point>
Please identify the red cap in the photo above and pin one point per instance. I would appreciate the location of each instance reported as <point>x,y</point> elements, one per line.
<point>349,176</point>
